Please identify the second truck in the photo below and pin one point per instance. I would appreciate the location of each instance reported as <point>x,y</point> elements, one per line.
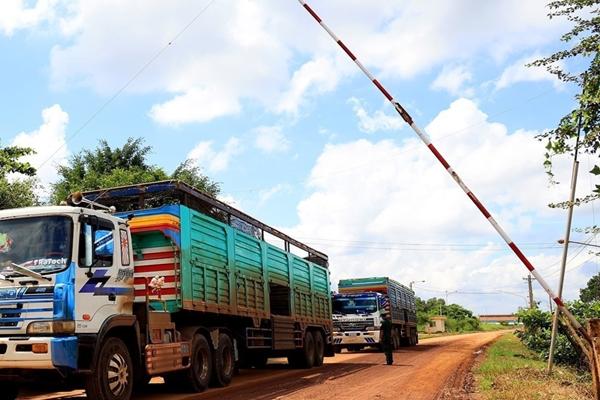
<point>358,310</point>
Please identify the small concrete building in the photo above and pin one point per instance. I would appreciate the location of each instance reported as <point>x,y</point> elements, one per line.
<point>436,324</point>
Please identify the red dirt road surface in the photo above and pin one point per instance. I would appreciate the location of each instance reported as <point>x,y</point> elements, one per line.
<point>432,370</point>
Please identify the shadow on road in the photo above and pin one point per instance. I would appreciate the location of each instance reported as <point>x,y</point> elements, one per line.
<point>263,389</point>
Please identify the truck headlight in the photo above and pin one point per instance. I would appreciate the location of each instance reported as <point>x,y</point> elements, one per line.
<point>50,327</point>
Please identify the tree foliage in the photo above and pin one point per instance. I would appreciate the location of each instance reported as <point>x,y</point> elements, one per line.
<point>582,50</point>
<point>106,166</point>
<point>18,191</point>
<point>537,330</point>
<point>591,292</point>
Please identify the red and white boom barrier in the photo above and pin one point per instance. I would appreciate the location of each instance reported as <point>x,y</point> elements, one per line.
<point>425,138</point>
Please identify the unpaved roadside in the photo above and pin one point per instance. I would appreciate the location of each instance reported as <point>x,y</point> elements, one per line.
<point>424,372</point>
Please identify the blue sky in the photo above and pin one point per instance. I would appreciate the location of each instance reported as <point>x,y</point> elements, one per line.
<point>269,106</point>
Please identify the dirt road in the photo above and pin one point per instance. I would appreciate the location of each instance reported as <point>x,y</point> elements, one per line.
<point>423,372</point>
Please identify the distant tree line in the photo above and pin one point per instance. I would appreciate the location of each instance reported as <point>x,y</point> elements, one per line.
<point>458,318</point>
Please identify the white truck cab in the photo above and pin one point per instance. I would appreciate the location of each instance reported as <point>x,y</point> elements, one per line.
<point>65,274</point>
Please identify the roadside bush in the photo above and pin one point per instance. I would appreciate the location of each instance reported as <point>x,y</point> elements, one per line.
<point>537,331</point>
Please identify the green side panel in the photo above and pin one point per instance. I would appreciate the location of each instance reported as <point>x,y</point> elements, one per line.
<point>208,260</point>
<point>146,240</point>
<point>301,273</point>
<point>249,272</point>
<point>278,268</point>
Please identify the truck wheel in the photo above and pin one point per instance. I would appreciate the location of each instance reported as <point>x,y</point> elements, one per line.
<point>200,371</point>
<point>304,358</point>
<point>112,374</point>
<point>319,348</point>
<point>224,361</point>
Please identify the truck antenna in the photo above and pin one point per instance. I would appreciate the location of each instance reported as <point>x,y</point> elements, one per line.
<point>425,139</point>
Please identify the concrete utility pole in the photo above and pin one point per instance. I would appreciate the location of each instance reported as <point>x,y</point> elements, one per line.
<point>563,263</point>
<point>410,285</point>
<point>529,279</point>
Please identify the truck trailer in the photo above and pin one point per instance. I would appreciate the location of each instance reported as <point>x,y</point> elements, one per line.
<point>358,309</point>
<point>176,284</point>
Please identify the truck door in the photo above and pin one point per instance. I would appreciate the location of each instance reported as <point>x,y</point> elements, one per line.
<point>104,277</point>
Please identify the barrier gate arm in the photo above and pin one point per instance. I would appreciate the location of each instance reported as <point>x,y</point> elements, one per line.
<point>425,139</point>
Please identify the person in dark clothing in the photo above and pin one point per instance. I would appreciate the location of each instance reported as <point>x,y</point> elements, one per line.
<point>386,338</point>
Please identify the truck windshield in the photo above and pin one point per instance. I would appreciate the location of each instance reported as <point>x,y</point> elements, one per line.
<point>354,305</point>
<point>42,244</point>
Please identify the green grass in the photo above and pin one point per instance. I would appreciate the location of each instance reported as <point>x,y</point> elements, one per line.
<point>511,372</point>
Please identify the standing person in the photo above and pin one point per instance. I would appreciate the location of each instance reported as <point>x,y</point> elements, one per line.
<point>386,338</point>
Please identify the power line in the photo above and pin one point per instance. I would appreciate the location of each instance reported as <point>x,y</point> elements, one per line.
<point>128,83</point>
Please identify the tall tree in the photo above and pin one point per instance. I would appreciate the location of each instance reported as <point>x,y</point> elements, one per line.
<point>591,292</point>
<point>19,190</point>
<point>106,166</point>
<point>578,63</point>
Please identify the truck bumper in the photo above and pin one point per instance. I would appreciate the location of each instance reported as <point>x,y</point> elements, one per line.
<point>38,353</point>
<point>366,338</point>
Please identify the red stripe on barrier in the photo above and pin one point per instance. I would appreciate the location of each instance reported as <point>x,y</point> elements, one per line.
<point>382,89</point>
<point>478,204</point>
<point>154,268</point>
<point>438,155</point>
<point>521,256</point>
<point>314,14</point>
<point>347,50</point>
<point>558,301</point>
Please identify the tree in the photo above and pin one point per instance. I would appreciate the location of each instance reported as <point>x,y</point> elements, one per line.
<point>18,191</point>
<point>108,167</point>
<point>583,41</point>
<point>591,292</point>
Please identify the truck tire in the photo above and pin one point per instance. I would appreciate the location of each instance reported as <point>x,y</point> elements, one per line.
<point>304,358</point>
<point>112,374</point>
<point>319,348</point>
<point>224,362</point>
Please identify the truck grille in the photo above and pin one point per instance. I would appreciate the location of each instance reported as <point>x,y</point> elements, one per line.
<point>353,324</point>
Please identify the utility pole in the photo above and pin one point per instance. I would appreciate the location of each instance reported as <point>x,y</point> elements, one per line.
<point>410,285</point>
<point>529,279</point>
<point>563,264</point>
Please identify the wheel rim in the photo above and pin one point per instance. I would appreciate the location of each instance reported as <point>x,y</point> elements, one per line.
<point>118,374</point>
<point>202,363</point>
<point>227,363</point>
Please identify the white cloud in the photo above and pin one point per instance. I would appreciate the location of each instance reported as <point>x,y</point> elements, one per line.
<point>452,79</point>
<point>241,51</point>
<point>17,14</point>
<point>185,108</point>
<point>376,206</point>
<point>266,195</point>
<point>519,72</point>
<point>230,200</point>
<point>378,121</point>
<point>315,76</point>
<point>270,139</point>
<point>49,142</point>
<point>215,161</point>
